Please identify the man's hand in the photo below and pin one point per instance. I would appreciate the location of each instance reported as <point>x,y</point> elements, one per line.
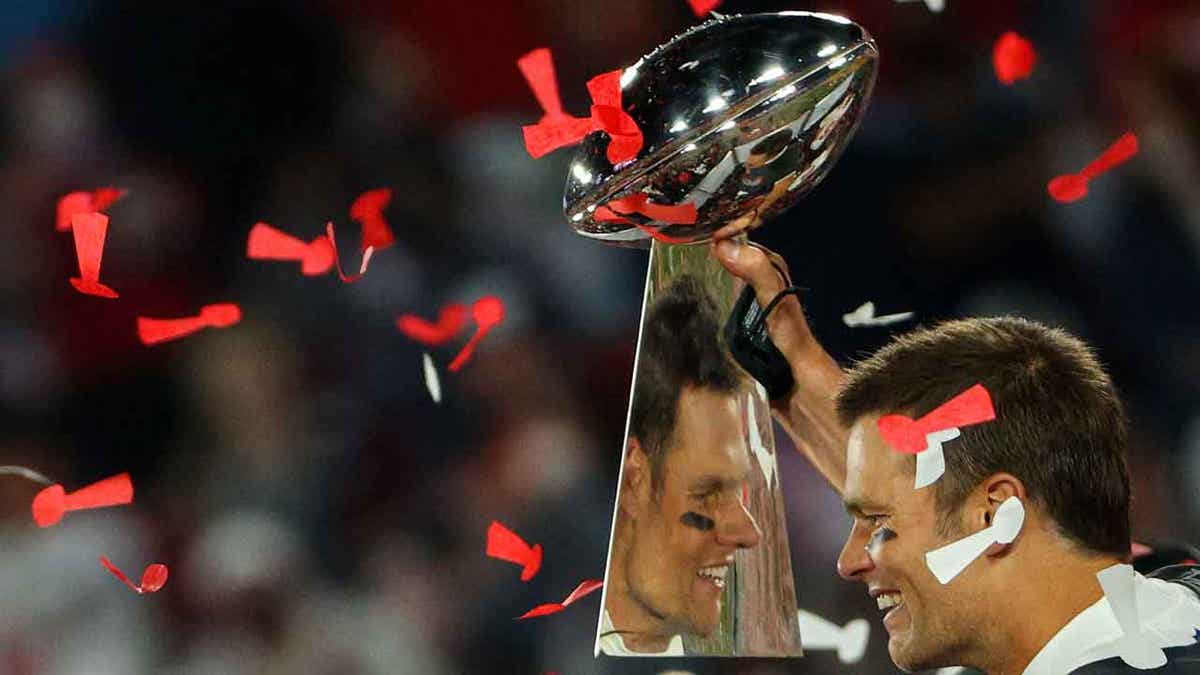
<point>808,413</point>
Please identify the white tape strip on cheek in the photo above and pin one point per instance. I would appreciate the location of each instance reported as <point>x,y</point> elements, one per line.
<point>1134,647</point>
<point>818,634</point>
<point>931,462</point>
<point>950,560</point>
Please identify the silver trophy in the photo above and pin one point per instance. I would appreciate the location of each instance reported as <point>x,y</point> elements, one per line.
<point>741,116</point>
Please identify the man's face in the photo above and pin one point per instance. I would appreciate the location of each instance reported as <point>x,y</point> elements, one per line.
<point>929,625</point>
<point>685,535</point>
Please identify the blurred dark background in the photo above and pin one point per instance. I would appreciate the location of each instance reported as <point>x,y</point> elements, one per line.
<point>319,513</point>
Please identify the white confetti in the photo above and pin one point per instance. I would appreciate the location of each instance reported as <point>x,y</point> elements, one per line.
<point>931,462</point>
<point>948,561</point>
<point>850,641</point>
<point>431,379</point>
<point>934,6</point>
<point>1135,648</point>
<point>865,316</point>
<point>766,460</point>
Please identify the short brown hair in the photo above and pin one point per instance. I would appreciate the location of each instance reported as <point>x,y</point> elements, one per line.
<point>1059,425</point>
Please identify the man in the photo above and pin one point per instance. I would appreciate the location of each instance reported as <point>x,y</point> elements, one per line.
<point>680,514</point>
<point>1035,604</point>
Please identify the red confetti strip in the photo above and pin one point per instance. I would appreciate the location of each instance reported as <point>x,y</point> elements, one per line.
<point>153,578</point>
<point>1073,187</point>
<point>219,315</point>
<point>85,202</point>
<point>450,321</point>
<point>267,243</point>
<point>50,504</point>
<point>580,591</point>
<point>362,267</point>
<point>973,406</point>
<point>1013,58</point>
<point>557,129</point>
<point>617,210</point>
<point>504,544</point>
<point>89,230</point>
<point>367,210</point>
<point>488,312</point>
<point>702,7</point>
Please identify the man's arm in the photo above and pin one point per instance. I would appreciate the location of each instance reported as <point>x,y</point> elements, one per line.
<point>807,414</point>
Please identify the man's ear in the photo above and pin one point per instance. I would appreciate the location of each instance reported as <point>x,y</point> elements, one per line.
<point>997,489</point>
<point>635,479</point>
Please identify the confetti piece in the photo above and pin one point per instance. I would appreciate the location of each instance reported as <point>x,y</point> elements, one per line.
<point>450,320</point>
<point>702,7</point>
<point>934,6</point>
<point>219,315</point>
<point>431,379</point>
<point>948,561</point>
<point>153,578</point>
<point>85,202</point>
<point>89,230</point>
<point>821,634</point>
<point>865,316</point>
<point>972,406</point>
<point>1073,187</point>
<point>766,460</point>
<point>557,129</point>
<point>267,243</point>
<point>29,474</point>
<point>50,504</point>
<point>1013,58</point>
<point>488,312</point>
<point>931,462</point>
<point>639,202</point>
<point>1136,648</point>
<point>367,210</point>
<point>1137,549</point>
<point>504,544</point>
<point>362,268</point>
<point>580,591</point>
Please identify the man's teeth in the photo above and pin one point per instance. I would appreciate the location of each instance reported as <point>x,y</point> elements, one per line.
<point>715,574</point>
<point>888,600</point>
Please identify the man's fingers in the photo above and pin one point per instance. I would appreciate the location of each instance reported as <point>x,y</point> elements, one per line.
<point>752,265</point>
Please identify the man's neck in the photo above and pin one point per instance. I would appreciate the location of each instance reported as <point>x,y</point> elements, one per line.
<point>1034,611</point>
<point>640,630</point>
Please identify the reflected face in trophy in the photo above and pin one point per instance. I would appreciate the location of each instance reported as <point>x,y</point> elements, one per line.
<point>929,625</point>
<point>685,530</point>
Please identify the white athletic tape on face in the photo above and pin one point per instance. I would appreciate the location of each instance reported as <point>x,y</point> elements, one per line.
<point>818,634</point>
<point>931,462</point>
<point>1135,648</point>
<point>950,560</point>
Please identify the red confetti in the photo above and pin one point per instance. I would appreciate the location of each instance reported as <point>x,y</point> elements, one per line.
<point>450,321</point>
<point>1138,549</point>
<point>1073,187</point>
<point>557,129</point>
<point>702,7</point>
<point>367,210</point>
<point>973,406</point>
<point>219,315</point>
<point>50,504</point>
<point>580,591</point>
<point>617,210</point>
<point>1013,58</point>
<point>504,544</point>
<point>362,267</point>
<point>85,202</point>
<point>89,230</point>
<point>153,578</point>
<point>488,312</point>
<point>268,243</point>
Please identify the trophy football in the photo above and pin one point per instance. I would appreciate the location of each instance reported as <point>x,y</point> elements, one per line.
<point>740,117</point>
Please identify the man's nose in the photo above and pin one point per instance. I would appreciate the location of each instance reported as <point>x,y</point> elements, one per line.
<point>854,561</point>
<point>740,530</point>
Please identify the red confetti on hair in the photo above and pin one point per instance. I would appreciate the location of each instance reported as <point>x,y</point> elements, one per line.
<point>367,210</point>
<point>504,544</point>
<point>973,406</point>
<point>1073,187</point>
<point>267,243</point>
<point>50,504</point>
<point>702,7</point>
<point>580,591</point>
<point>557,129</point>
<point>1013,58</point>
<point>85,202</point>
<point>89,230</point>
<point>450,321</point>
<point>488,312</point>
<point>362,267</point>
<point>219,315</point>
<point>153,578</point>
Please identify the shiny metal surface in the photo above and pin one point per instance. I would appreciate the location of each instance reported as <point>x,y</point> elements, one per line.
<point>742,116</point>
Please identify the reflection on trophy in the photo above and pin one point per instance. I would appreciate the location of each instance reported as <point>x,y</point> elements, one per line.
<point>741,116</point>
